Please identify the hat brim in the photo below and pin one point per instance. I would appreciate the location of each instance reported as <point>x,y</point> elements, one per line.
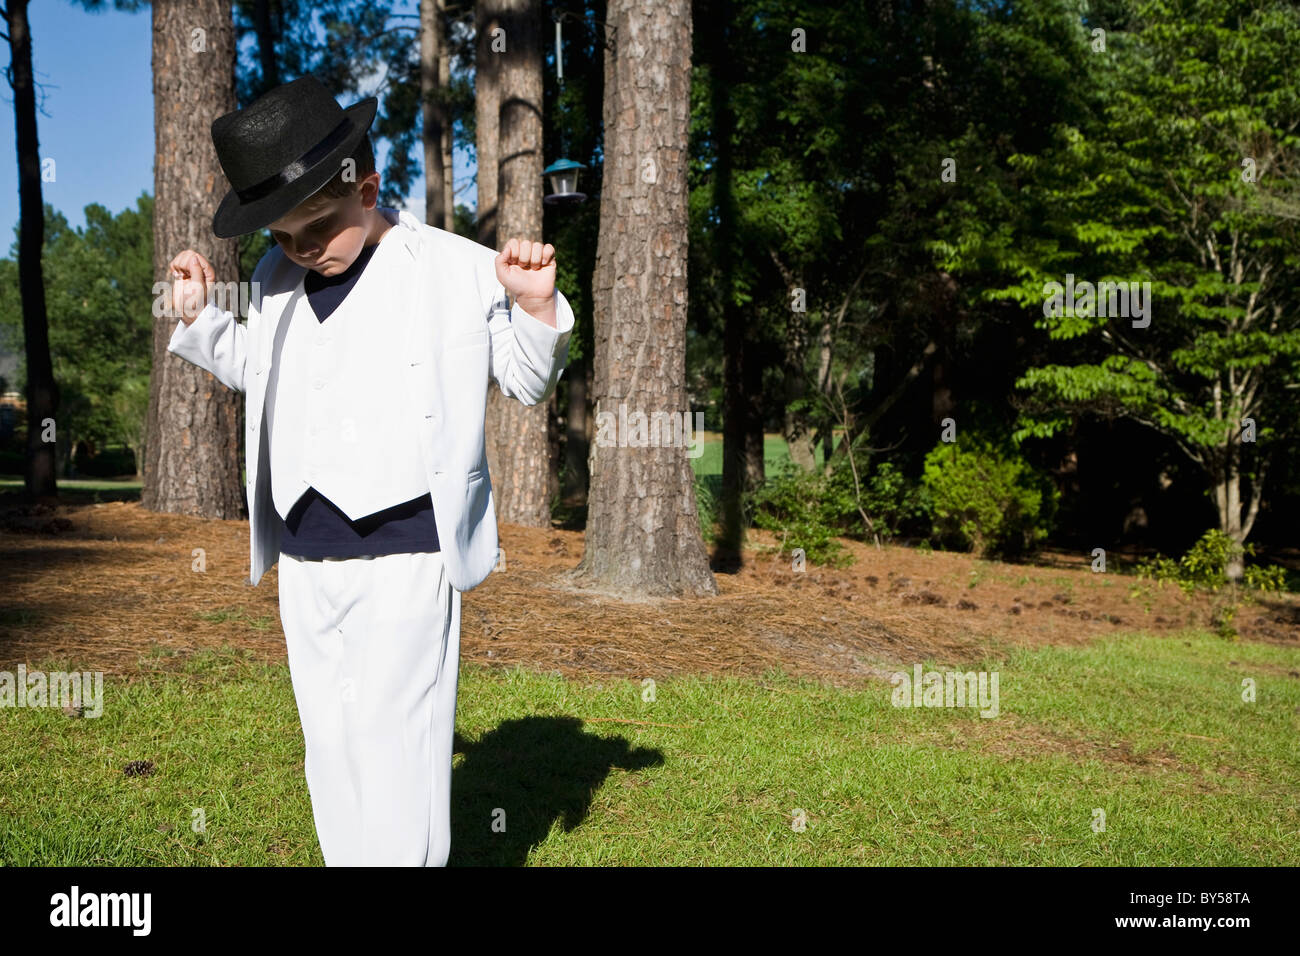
<point>237,218</point>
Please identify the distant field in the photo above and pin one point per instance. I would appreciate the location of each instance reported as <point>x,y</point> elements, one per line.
<point>775,454</point>
<point>104,489</point>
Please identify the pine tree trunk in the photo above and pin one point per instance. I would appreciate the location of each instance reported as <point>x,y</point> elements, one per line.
<point>576,442</point>
<point>436,138</point>
<point>266,45</point>
<point>448,140</point>
<point>643,534</point>
<point>796,426</point>
<point>740,370</point>
<point>487,108</point>
<point>192,457</point>
<point>825,434</point>
<point>755,465</point>
<point>518,448</point>
<point>42,391</point>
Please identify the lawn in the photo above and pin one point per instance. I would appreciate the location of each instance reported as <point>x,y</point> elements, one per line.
<point>775,454</point>
<point>117,489</point>
<point>1152,731</point>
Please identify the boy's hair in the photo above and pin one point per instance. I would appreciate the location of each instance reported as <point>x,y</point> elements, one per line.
<point>364,158</point>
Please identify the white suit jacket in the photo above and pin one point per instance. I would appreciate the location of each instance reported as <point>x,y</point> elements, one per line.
<point>458,331</point>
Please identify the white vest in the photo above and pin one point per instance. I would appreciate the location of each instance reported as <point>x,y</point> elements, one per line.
<point>337,419</point>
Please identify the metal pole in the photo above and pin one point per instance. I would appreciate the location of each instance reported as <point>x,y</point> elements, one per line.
<point>559,61</point>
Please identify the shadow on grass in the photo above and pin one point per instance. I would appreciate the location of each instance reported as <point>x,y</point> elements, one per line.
<point>537,770</point>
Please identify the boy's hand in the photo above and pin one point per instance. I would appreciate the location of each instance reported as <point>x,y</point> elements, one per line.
<point>527,271</point>
<point>192,277</point>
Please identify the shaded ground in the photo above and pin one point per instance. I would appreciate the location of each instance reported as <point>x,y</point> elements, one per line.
<point>105,584</point>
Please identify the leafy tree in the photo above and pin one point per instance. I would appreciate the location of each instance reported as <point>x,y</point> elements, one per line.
<point>99,300</point>
<point>1205,97</point>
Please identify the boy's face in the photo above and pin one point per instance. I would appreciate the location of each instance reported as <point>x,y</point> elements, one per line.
<point>325,234</point>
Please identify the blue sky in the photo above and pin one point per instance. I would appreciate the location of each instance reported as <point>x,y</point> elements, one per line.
<point>97,123</point>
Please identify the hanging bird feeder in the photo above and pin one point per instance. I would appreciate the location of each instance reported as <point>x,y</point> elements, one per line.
<point>564,183</point>
<point>563,172</point>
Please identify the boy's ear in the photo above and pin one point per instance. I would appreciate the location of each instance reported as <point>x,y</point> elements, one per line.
<point>370,190</point>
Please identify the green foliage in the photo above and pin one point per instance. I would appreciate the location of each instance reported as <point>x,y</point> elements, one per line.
<point>809,509</point>
<point>1222,618</point>
<point>1182,177</point>
<point>1270,577</point>
<point>707,489</point>
<point>894,502</point>
<point>99,302</point>
<point>987,498</point>
<point>1205,566</point>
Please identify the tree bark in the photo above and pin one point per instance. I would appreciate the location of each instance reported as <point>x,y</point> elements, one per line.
<point>518,447</point>
<point>755,464</point>
<point>643,535</point>
<point>435,77</point>
<point>825,434</point>
<point>796,426</point>
<point>448,125</point>
<point>577,445</point>
<point>42,391</point>
<point>192,461</point>
<point>487,107</point>
<point>1226,477</point>
<point>266,45</point>
<point>736,419</point>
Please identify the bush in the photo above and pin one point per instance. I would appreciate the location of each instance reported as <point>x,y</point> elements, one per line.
<point>1205,565</point>
<point>987,498</point>
<point>809,509</point>
<point>895,502</point>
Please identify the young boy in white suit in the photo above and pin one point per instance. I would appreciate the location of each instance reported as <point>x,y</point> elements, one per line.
<point>370,341</point>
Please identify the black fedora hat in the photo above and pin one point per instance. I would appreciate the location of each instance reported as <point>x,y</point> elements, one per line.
<point>280,149</point>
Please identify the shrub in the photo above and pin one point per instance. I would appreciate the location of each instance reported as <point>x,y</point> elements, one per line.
<point>808,509</point>
<point>987,497</point>
<point>1205,565</point>
<point>894,502</point>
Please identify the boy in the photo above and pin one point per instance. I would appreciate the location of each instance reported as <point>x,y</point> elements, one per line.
<point>370,341</point>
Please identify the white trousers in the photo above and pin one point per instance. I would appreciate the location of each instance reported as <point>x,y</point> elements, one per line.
<point>374,655</point>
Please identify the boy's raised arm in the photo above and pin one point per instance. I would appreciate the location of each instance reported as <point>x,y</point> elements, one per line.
<point>530,342</point>
<point>206,335</point>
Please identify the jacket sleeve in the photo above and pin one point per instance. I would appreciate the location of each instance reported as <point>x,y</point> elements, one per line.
<point>527,356</point>
<point>215,340</point>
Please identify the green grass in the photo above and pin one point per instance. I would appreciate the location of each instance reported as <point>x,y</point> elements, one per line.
<point>96,489</point>
<point>262,622</point>
<point>775,454</point>
<point>1204,779</point>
